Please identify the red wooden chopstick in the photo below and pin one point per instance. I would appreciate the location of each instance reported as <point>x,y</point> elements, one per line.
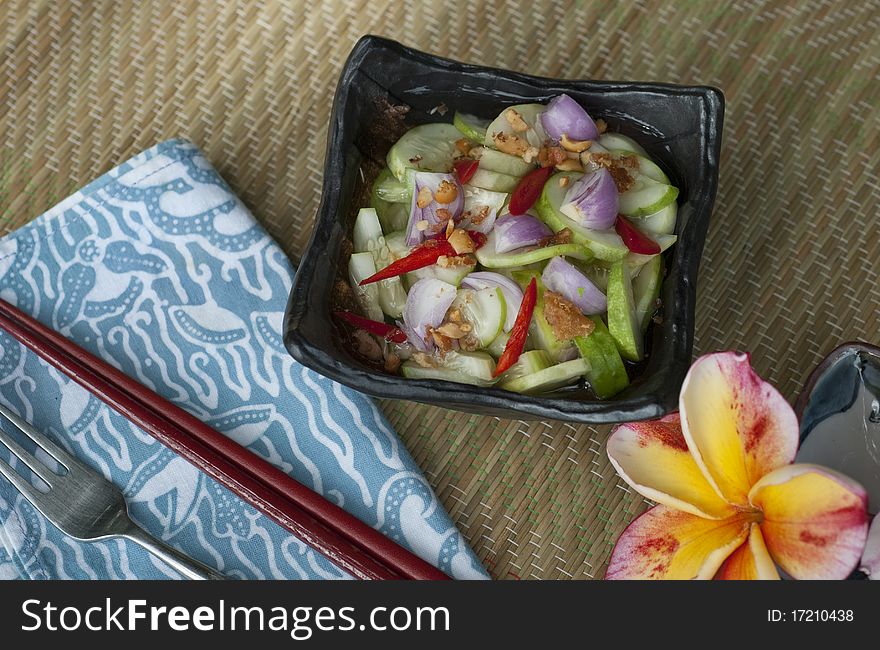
<point>344,539</point>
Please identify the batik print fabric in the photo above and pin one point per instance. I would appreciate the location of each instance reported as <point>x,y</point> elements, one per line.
<point>159,269</point>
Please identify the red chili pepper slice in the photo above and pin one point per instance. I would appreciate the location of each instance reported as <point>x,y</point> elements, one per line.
<point>478,238</point>
<point>386,331</point>
<point>465,169</point>
<point>528,190</point>
<point>635,239</point>
<point>420,257</point>
<point>517,341</point>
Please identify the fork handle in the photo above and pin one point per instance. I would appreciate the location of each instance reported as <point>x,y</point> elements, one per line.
<point>186,566</point>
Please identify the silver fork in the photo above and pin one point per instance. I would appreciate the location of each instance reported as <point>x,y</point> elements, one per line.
<point>81,503</point>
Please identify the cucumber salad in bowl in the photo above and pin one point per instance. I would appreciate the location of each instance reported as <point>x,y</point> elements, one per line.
<point>522,253</point>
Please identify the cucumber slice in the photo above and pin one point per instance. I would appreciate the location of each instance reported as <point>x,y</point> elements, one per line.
<point>646,197</point>
<point>540,332</point>
<point>618,142</point>
<point>495,181</point>
<point>529,363</point>
<point>474,368</point>
<point>392,216</point>
<point>367,232</point>
<point>562,374</point>
<point>389,189</point>
<point>635,261</point>
<point>360,267</point>
<point>623,322</point>
<point>504,163</point>
<point>607,374</point>
<point>396,242</point>
<point>646,290</point>
<point>496,347</point>
<point>487,256</point>
<point>367,238</point>
<point>530,113</point>
<point>450,274</point>
<point>603,244</point>
<point>427,148</point>
<point>471,126</point>
<point>485,309</point>
<point>659,223</point>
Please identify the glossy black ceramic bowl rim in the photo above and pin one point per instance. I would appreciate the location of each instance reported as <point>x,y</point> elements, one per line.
<point>841,351</point>
<point>663,398</point>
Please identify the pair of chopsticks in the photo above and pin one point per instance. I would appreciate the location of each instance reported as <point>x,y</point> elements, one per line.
<point>345,540</point>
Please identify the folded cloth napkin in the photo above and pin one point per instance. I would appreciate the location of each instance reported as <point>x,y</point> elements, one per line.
<point>158,268</point>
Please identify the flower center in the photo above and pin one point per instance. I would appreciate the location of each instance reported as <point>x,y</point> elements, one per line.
<point>750,514</point>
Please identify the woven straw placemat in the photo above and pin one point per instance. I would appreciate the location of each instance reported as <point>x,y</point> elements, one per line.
<point>790,267</point>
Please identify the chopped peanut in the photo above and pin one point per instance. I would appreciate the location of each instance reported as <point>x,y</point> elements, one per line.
<point>424,360</point>
<point>461,241</point>
<point>570,165</point>
<point>564,181</point>
<point>422,225</point>
<point>447,261</point>
<point>446,192</point>
<point>619,168</point>
<point>562,237</point>
<point>509,143</point>
<point>476,217</point>
<point>464,145</point>
<point>443,214</point>
<point>601,125</point>
<point>530,154</point>
<point>450,226</point>
<point>575,146</point>
<point>441,341</point>
<point>466,327</point>
<point>452,330</point>
<point>515,120</point>
<point>424,197</point>
<point>551,156</point>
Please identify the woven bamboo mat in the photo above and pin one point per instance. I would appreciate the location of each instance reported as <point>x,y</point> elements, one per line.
<point>791,263</point>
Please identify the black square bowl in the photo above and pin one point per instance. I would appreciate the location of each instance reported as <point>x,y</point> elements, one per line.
<point>680,126</point>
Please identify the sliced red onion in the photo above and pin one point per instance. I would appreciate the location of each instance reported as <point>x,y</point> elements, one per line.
<point>565,116</point>
<point>513,232</point>
<point>513,293</point>
<point>432,181</point>
<point>566,280</point>
<point>592,201</point>
<point>426,306</point>
<point>414,340</point>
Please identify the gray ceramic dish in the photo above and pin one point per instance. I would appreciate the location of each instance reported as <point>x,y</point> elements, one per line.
<point>833,388</point>
<point>680,126</point>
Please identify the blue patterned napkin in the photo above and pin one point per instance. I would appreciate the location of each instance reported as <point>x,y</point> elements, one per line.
<point>158,268</point>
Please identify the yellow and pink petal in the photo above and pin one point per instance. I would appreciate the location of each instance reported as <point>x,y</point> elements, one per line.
<point>653,458</point>
<point>751,561</point>
<point>737,426</point>
<point>668,544</point>
<point>815,520</point>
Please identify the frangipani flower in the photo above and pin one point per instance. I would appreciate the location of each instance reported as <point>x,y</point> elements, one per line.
<point>731,503</point>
